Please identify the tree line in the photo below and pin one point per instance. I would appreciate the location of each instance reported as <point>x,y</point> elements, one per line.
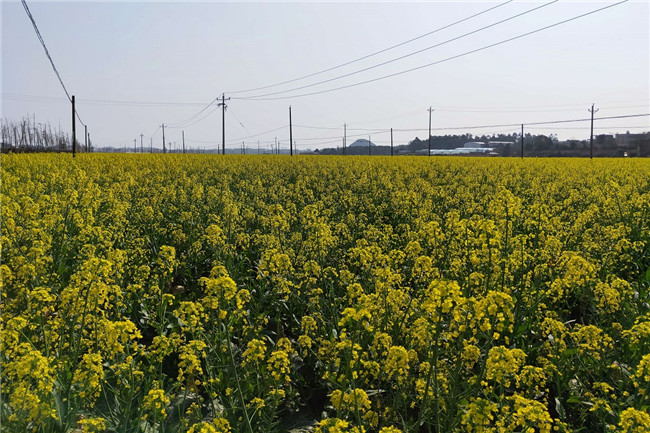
<point>26,135</point>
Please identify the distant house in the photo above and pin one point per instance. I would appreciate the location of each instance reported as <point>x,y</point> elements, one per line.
<point>498,144</point>
<point>634,144</point>
<point>474,144</point>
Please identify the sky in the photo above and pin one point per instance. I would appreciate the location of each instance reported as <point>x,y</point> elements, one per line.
<point>134,66</point>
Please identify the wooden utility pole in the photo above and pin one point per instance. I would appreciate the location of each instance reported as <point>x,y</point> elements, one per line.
<point>522,141</point>
<point>163,129</point>
<point>183,142</point>
<point>223,122</point>
<point>345,136</point>
<point>391,141</point>
<point>430,110</point>
<point>74,130</point>
<point>290,133</point>
<point>591,136</point>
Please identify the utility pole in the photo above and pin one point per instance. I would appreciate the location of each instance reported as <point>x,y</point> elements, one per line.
<point>135,145</point>
<point>391,141</point>
<point>183,142</point>
<point>345,136</point>
<point>591,137</point>
<point>74,130</point>
<point>90,144</point>
<point>243,149</point>
<point>276,149</point>
<point>290,133</point>
<point>85,136</point>
<point>522,141</point>
<point>369,145</point>
<point>222,104</point>
<point>258,147</point>
<point>430,110</point>
<point>151,144</point>
<point>141,146</point>
<point>163,129</point>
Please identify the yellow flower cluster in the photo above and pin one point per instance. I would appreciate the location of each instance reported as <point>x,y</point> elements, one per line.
<point>205,293</point>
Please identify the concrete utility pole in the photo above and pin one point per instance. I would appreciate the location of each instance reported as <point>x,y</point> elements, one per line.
<point>391,141</point>
<point>183,142</point>
<point>276,149</point>
<point>135,145</point>
<point>163,129</point>
<point>222,104</point>
<point>290,133</point>
<point>151,144</point>
<point>141,145</point>
<point>74,130</point>
<point>591,136</point>
<point>85,136</point>
<point>345,136</point>
<point>430,110</point>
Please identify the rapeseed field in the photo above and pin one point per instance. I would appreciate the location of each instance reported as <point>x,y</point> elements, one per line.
<point>196,293</point>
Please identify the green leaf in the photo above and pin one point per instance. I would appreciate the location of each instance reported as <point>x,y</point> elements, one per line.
<point>559,408</point>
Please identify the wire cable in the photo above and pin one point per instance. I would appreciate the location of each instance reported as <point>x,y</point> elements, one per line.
<point>406,55</point>
<point>237,119</point>
<point>182,123</point>
<point>439,61</point>
<point>550,122</point>
<point>195,122</point>
<point>47,53</point>
<point>375,53</point>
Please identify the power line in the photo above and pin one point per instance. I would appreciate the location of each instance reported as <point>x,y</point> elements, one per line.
<point>237,140</point>
<point>186,125</point>
<point>55,99</point>
<point>237,119</point>
<point>550,122</point>
<point>535,109</point>
<point>440,61</point>
<point>404,56</point>
<point>183,122</point>
<point>47,53</point>
<point>453,110</point>
<point>375,53</point>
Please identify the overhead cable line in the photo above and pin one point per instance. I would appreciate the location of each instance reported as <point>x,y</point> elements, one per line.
<point>550,122</point>
<point>187,125</point>
<point>455,110</point>
<point>56,99</point>
<point>373,54</point>
<point>191,118</point>
<point>438,61</point>
<point>47,53</point>
<point>237,119</point>
<point>238,140</point>
<point>404,56</point>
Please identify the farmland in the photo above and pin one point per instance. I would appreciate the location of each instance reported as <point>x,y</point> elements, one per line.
<point>174,293</point>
